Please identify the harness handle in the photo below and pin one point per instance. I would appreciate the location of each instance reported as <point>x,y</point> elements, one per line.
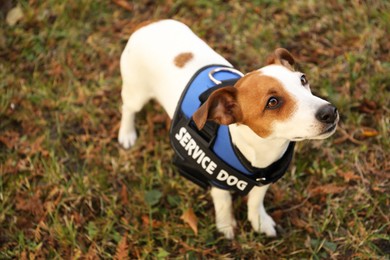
<point>216,70</point>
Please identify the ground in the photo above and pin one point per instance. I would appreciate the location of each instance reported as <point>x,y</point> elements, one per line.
<point>68,191</point>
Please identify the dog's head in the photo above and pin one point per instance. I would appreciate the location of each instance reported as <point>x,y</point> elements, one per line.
<point>274,101</point>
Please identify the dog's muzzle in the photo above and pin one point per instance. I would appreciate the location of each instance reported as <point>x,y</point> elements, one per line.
<point>327,114</point>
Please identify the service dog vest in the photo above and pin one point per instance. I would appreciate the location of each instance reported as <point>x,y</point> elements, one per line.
<point>208,156</point>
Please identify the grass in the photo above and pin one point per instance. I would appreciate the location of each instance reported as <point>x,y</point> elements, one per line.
<point>68,191</point>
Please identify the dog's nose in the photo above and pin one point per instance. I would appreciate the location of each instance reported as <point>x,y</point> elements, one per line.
<point>327,114</point>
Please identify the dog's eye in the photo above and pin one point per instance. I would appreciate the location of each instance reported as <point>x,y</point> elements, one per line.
<point>273,103</point>
<point>304,80</point>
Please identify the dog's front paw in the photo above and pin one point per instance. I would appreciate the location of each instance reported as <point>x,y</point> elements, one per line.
<point>227,229</point>
<point>263,223</point>
<point>127,139</point>
<point>267,226</point>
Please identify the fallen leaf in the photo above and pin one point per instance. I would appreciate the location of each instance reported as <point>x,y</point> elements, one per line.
<point>14,15</point>
<point>10,139</point>
<point>369,132</point>
<point>32,205</point>
<point>327,189</point>
<point>23,255</point>
<point>34,147</point>
<point>300,223</point>
<point>278,193</point>
<point>190,218</point>
<point>78,218</point>
<point>378,186</point>
<point>56,70</point>
<point>37,233</point>
<point>92,252</point>
<point>122,250</point>
<point>150,222</point>
<point>159,118</point>
<point>277,215</point>
<point>124,195</point>
<point>24,165</point>
<point>125,5</point>
<point>348,176</point>
<point>368,106</point>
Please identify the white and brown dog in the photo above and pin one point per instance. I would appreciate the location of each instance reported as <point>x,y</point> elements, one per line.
<point>264,110</point>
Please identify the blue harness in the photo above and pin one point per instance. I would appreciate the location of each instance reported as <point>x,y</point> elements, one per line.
<point>208,156</point>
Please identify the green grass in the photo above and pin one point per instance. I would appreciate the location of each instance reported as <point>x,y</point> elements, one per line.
<point>68,191</point>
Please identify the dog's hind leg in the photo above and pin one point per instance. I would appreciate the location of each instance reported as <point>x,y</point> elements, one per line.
<point>260,220</point>
<point>225,221</point>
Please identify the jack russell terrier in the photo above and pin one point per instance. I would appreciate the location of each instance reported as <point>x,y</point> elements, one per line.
<point>229,130</point>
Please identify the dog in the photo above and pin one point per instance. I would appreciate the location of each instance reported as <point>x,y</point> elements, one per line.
<point>264,111</point>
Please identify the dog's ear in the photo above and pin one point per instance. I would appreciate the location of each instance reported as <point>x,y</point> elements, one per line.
<point>221,107</point>
<point>283,57</point>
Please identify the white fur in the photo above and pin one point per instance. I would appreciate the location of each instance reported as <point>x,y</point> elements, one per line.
<point>223,212</point>
<point>260,220</point>
<point>148,71</point>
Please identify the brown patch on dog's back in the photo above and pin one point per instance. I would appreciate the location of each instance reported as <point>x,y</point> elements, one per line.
<point>254,91</point>
<point>182,59</point>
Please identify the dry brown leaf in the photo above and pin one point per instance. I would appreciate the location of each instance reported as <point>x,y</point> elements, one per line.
<point>277,215</point>
<point>82,97</point>
<point>348,176</point>
<point>301,224</point>
<point>91,254</point>
<point>41,227</point>
<point>154,223</point>
<point>32,205</point>
<point>122,250</point>
<point>327,189</point>
<point>124,4</point>
<point>9,166</point>
<point>24,165</point>
<point>369,132</point>
<point>56,70</point>
<point>78,218</point>
<point>37,233</point>
<point>368,106</point>
<point>278,193</point>
<point>10,138</point>
<point>124,195</point>
<point>31,148</point>
<point>23,255</point>
<point>36,146</point>
<point>190,218</point>
<point>378,186</point>
<point>159,118</point>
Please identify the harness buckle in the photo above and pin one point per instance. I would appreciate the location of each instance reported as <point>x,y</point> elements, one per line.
<point>216,70</point>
